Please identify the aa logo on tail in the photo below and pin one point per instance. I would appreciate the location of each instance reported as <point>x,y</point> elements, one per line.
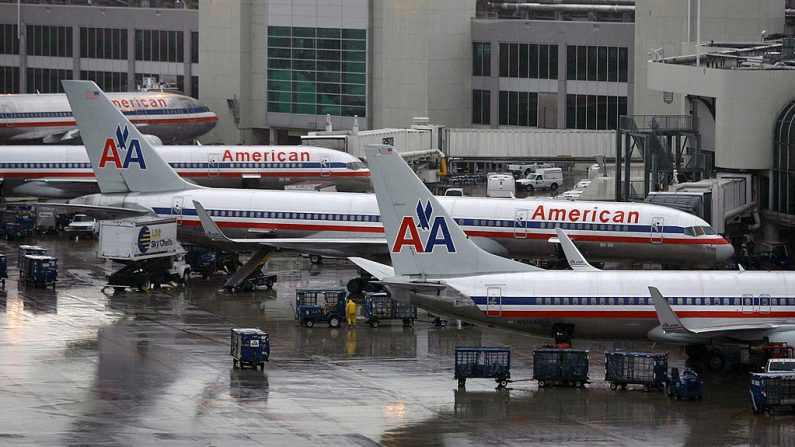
<point>434,231</point>
<point>122,153</point>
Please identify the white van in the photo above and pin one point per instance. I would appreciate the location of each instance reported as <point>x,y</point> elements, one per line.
<point>547,178</point>
<point>501,185</point>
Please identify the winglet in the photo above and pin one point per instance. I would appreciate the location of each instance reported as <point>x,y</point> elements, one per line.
<point>576,260</point>
<point>669,322</point>
<point>210,228</point>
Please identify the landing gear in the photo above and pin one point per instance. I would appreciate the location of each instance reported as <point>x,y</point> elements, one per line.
<point>315,259</point>
<point>713,360</point>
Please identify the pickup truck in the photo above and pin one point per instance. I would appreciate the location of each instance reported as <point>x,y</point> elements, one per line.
<point>780,366</point>
<point>82,225</point>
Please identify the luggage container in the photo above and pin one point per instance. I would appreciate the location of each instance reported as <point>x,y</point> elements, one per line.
<point>482,363</point>
<point>771,392</point>
<point>684,386</point>
<point>3,270</point>
<point>22,262</point>
<point>41,270</point>
<point>249,347</point>
<point>560,366</point>
<point>320,305</point>
<point>380,306</point>
<point>649,369</point>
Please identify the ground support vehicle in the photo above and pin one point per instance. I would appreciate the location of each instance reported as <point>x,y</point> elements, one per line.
<point>206,261</point>
<point>380,306</point>
<point>22,262</point>
<point>648,369</point>
<point>482,363</point>
<point>82,225</point>
<point>772,391</point>
<point>3,270</point>
<point>686,385</point>
<point>18,221</point>
<point>320,305</point>
<point>41,270</point>
<point>249,347</point>
<point>560,367</point>
<point>148,249</point>
<point>257,280</point>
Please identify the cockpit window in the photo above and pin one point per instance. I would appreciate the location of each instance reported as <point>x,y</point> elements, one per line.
<point>354,165</point>
<point>689,231</point>
<point>709,231</point>
<point>699,231</point>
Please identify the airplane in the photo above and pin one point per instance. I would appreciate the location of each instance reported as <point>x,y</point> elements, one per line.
<point>46,118</point>
<point>436,266</point>
<point>64,172</point>
<point>133,180</point>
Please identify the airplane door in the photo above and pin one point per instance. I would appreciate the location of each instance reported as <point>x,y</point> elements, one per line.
<point>520,224</point>
<point>176,209</point>
<point>657,230</point>
<point>189,117</point>
<point>212,165</point>
<point>493,301</point>
<point>8,112</point>
<point>325,166</point>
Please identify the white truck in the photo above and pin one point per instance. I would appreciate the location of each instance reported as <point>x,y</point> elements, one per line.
<point>780,366</point>
<point>546,178</point>
<point>501,186</point>
<point>148,249</point>
<point>82,225</point>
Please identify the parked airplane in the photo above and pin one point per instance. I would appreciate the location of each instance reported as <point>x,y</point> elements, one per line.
<point>47,118</point>
<point>436,266</point>
<point>64,172</point>
<point>134,180</point>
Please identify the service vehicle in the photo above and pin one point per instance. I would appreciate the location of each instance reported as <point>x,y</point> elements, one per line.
<point>772,391</point>
<point>560,367</point>
<point>320,305</point>
<point>380,306</point>
<point>686,385</point>
<point>500,186</point>
<point>780,365</point>
<point>22,261</point>
<point>454,192</point>
<point>649,369</point>
<point>82,225</point>
<point>547,178</point>
<point>249,347</point>
<point>482,363</point>
<point>41,270</point>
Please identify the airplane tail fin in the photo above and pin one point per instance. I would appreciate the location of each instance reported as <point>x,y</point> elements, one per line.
<point>422,238</point>
<point>122,159</point>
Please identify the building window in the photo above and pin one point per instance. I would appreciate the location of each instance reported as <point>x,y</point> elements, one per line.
<point>9,80</point>
<point>45,80</point>
<point>159,46</point>
<point>481,107</point>
<point>481,59</point>
<point>49,41</point>
<point>317,71</point>
<point>103,43</point>
<point>194,47</point>
<point>594,112</point>
<point>518,108</point>
<point>783,200</point>
<point>534,61</point>
<point>586,63</point>
<point>108,81</point>
<point>9,44</point>
<point>194,85</point>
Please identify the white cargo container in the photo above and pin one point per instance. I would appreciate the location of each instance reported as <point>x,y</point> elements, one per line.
<point>138,238</point>
<point>501,186</point>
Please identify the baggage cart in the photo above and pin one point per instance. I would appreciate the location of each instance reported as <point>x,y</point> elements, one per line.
<point>482,363</point>
<point>320,305</point>
<point>686,385</point>
<point>258,280</point>
<point>649,369</point>
<point>771,392</point>
<point>3,270</point>
<point>560,366</point>
<point>380,306</point>
<point>41,270</point>
<point>22,262</point>
<point>249,347</point>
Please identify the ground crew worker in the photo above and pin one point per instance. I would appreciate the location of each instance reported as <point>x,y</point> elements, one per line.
<point>350,311</point>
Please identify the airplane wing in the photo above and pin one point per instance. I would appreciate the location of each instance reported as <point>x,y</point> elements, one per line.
<point>214,233</point>
<point>386,276</point>
<point>671,323</point>
<point>376,269</point>
<point>45,135</point>
<point>576,260</point>
<point>96,211</point>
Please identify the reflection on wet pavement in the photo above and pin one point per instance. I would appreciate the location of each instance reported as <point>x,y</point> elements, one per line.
<point>79,367</point>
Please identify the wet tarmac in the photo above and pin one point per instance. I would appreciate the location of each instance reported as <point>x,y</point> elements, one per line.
<point>79,367</point>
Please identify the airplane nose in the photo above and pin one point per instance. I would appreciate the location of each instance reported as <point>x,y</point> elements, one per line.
<point>723,252</point>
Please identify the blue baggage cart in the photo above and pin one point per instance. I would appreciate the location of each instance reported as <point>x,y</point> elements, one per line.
<point>23,250</point>
<point>649,369</point>
<point>686,385</point>
<point>560,366</point>
<point>380,306</point>
<point>3,269</point>
<point>320,305</point>
<point>41,270</point>
<point>482,363</point>
<point>249,347</point>
<point>772,391</point>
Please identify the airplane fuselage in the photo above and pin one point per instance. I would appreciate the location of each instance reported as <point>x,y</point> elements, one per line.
<point>215,166</point>
<point>519,228</point>
<point>615,304</point>
<point>171,117</point>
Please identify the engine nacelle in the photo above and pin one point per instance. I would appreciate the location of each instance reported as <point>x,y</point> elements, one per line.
<point>153,140</point>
